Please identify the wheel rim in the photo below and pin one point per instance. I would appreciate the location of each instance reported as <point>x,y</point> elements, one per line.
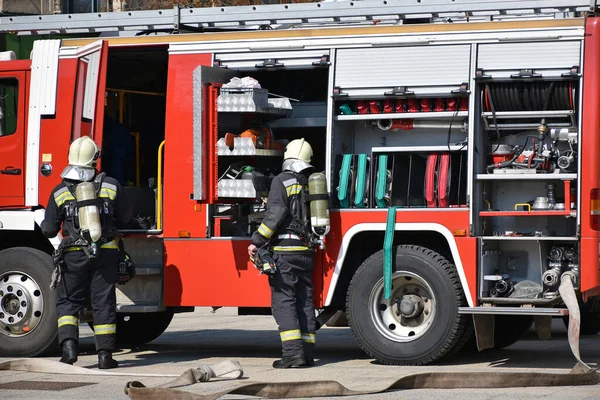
<point>21,304</point>
<point>410,310</point>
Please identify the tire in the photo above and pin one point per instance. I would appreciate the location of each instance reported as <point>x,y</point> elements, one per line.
<point>27,304</point>
<point>422,338</point>
<point>338,319</point>
<point>590,323</point>
<point>141,328</point>
<point>508,329</point>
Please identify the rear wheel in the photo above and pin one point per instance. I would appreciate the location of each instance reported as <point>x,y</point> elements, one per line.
<point>590,323</point>
<point>138,329</point>
<point>27,304</point>
<point>420,322</point>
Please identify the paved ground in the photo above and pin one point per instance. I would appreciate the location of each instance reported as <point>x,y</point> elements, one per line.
<point>205,338</point>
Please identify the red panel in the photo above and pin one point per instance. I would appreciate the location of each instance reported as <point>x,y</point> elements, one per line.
<point>56,132</point>
<point>590,146</point>
<point>341,222</point>
<point>12,147</point>
<point>213,272</point>
<point>181,213</point>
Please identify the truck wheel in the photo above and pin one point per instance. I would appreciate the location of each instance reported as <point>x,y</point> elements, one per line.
<point>27,304</point>
<point>420,322</point>
<point>508,329</point>
<point>590,323</point>
<point>141,328</point>
<point>338,319</point>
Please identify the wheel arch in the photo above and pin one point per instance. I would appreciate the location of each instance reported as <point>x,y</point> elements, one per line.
<point>27,232</point>
<point>370,236</point>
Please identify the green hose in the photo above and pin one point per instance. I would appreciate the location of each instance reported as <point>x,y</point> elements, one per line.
<point>387,252</point>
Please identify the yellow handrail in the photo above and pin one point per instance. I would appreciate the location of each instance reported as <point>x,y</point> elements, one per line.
<point>160,190</point>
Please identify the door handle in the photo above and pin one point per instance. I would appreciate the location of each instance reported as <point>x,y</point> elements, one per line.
<point>11,171</point>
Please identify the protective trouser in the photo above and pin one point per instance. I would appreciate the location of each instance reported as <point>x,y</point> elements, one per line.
<point>292,302</point>
<point>95,277</point>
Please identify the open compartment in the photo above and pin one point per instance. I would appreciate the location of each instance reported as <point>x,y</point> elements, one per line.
<point>134,126</point>
<point>250,125</point>
<point>513,271</point>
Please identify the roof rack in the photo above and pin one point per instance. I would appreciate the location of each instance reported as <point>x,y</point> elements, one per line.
<point>296,15</point>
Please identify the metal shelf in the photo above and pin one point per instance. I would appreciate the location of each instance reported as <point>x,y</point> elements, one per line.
<point>527,213</point>
<point>418,149</point>
<point>415,115</point>
<point>533,238</point>
<point>253,153</point>
<point>525,177</point>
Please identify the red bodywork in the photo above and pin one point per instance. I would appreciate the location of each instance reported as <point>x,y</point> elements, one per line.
<point>200,271</point>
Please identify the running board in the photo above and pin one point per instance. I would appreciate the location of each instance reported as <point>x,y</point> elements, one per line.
<point>552,312</point>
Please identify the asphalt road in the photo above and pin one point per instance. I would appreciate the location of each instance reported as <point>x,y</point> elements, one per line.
<point>206,338</point>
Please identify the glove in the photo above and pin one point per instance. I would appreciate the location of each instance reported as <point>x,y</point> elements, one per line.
<point>126,270</point>
<point>263,261</point>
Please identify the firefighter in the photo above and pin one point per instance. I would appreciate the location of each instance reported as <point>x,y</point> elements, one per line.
<point>283,231</point>
<point>88,257</point>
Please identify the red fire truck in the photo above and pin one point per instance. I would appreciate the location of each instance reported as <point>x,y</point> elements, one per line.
<point>459,140</point>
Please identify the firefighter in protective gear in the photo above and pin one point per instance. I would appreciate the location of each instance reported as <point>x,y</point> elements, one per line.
<point>282,229</point>
<point>89,266</point>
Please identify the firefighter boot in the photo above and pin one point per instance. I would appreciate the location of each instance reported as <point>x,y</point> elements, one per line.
<point>105,360</point>
<point>290,362</point>
<point>69,351</point>
<point>309,353</point>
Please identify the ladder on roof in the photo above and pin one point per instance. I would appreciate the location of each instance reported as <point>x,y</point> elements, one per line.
<point>296,15</point>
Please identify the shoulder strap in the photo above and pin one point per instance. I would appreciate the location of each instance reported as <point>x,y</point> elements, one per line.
<point>98,181</point>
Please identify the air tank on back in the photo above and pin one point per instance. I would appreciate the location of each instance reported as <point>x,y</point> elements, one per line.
<point>319,203</point>
<point>89,215</point>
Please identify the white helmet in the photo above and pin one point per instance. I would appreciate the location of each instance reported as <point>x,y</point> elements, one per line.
<point>84,153</point>
<point>298,149</point>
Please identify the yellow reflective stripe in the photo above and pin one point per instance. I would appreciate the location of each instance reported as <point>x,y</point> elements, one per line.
<point>290,248</point>
<point>106,192</point>
<point>61,199</point>
<point>309,337</point>
<point>290,335</point>
<point>110,245</point>
<point>68,320</point>
<point>107,329</point>
<point>74,248</point>
<point>293,189</point>
<point>265,231</point>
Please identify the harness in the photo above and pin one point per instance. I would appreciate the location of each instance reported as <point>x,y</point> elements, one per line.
<point>299,227</point>
<point>75,238</point>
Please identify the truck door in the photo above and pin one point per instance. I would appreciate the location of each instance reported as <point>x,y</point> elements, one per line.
<point>12,138</point>
<point>90,86</point>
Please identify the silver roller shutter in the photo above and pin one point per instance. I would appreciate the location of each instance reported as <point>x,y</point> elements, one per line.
<point>501,60</point>
<point>289,59</point>
<point>422,69</point>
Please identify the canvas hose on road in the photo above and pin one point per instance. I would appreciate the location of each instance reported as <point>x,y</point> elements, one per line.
<point>581,374</point>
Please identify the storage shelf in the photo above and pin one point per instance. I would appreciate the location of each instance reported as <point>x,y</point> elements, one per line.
<point>525,177</point>
<point>534,238</point>
<point>415,115</point>
<point>417,149</point>
<point>526,213</point>
<point>255,152</point>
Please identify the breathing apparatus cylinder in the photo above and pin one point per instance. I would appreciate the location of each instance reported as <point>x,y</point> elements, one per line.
<point>89,215</point>
<point>319,202</point>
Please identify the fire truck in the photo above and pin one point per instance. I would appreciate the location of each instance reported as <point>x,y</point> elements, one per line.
<point>459,140</point>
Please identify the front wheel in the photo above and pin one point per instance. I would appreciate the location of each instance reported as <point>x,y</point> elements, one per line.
<point>27,304</point>
<point>420,322</point>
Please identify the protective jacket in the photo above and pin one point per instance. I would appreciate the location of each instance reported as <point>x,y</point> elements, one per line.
<point>284,223</point>
<point>62,207</point>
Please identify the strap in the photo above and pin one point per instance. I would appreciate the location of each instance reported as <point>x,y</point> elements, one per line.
<point>381,181</point>
<point>320,196</point>
<point>387,252</point>
<point>87,203</point>
<point>361,181</point>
